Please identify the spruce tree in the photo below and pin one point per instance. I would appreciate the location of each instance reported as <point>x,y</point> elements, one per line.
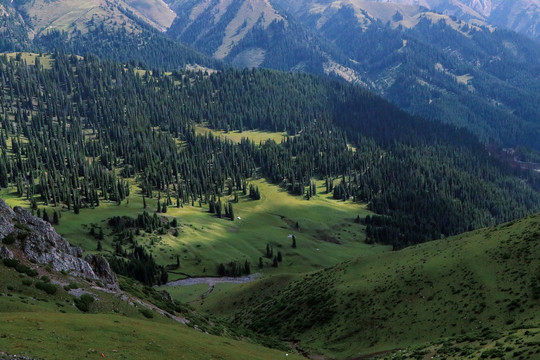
<point>45,215</point>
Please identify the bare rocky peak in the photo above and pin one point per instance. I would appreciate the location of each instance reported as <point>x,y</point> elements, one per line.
<point>484,7</point>
<point>38,242</point>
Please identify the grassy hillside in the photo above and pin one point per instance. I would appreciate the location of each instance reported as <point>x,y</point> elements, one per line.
<point>37,324</point>
<point>514,344</point>
<point>474,285</point>
<point>327,233</point>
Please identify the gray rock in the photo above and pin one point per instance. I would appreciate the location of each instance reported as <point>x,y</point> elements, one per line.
<point>6,220</point>
<point>5,253</point>
<point>103,271</point>
<point>42,244</point>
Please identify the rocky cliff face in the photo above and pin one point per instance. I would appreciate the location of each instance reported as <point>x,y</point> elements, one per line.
<point>37,241</point>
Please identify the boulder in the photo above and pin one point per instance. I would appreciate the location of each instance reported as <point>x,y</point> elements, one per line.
<point>5,253</point>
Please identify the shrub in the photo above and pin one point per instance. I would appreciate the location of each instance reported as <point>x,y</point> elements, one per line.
<point>27,282</point>
<point>47,287</point>
<point>83,302</point>
<point>45,279</point>
<point>22,236</point>
<point>492,354</point>
<point>22,227</point>
<point>147,313</point>
<point>11,262</point>
<point>9,239</point>
<point>26,270</point>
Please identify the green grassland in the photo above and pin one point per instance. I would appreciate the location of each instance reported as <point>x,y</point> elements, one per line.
<point>236,136</point>
<point>186,294</point>
<point>42,325</point>
<point>30,58</point>
<point>327,233</point>
<point>475,284</point>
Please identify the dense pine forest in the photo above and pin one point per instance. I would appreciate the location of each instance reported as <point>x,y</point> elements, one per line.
<point>80,133</point>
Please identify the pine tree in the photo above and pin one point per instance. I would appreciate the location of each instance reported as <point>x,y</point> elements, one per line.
<point>275,262</point>
<point>294,242</point>
<point>231,212</point>
<point>56,219</point>
<point>45,215</point>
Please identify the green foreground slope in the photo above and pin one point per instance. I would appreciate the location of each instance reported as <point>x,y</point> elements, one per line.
<point>74,336</point>
<point>49,326</point>
<point>474,284</point>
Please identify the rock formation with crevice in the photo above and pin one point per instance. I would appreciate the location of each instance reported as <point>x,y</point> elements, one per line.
<point>40,243</point>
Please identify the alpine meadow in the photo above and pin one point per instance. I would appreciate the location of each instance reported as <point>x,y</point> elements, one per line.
<point>268,179</point>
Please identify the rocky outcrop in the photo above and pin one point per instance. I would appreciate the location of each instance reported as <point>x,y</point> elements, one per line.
<point>40,243</point>
<point>5,253</point>
<point>101,268</point>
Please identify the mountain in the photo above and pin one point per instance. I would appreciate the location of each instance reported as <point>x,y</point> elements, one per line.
<point>429,64</point>
<point>442,298</point>
<point>522,16</point>
<point>456,70</point>
<point>254,33</point>
<point>14,35</point>
<point>436,66</point>
<point>126,31</point>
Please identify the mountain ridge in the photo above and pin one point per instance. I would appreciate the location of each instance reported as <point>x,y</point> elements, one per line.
<point>522,16</point>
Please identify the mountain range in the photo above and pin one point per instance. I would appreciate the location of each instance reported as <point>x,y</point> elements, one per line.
<point>439,66</point>
<point>442,60</point>
<point>522,16</point>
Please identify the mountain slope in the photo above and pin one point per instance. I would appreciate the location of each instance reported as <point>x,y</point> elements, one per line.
<point>14,35</point>
<point>430,64</point>
<point>470,287</point>
<point>427,180</point>
<point>253,33</point>
<point>109,29</point>
<point>522,16</point>
<point>440,68</point>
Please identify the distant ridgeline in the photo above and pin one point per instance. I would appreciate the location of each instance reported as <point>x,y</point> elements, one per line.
<point>110,31</point>
<point>76,133</point>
